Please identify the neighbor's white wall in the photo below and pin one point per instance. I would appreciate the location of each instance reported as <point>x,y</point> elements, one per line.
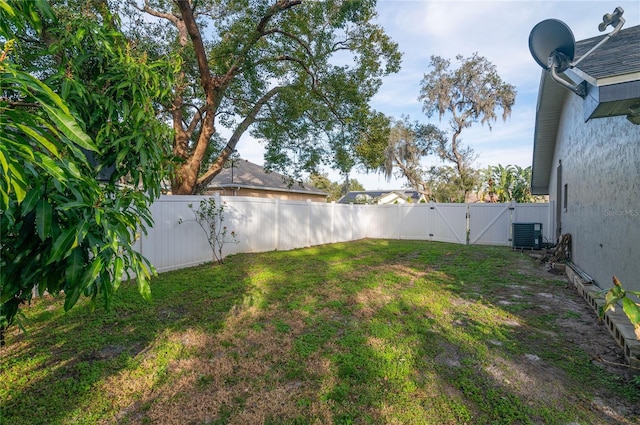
<point>601,165</point>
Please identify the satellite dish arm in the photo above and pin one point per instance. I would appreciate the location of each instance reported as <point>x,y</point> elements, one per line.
<point>578,89</point>
<point>553,35</point>
<point>614,18</point>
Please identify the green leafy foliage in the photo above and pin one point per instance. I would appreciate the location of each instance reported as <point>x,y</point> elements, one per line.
<point>506,184</point>
<point>447,185</point>
<point>617,294</point>
<point>296,75</point>
<point>210,217</point>
<point>65,228</point>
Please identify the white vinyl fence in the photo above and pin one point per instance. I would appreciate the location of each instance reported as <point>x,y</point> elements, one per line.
<point>176,241</point>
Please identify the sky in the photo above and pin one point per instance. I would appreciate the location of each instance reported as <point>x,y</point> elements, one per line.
<point>497,30</point>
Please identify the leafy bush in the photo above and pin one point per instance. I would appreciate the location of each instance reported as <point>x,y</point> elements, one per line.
<point>210,217</point>
<point>631,308</point>
<point>76,101</point>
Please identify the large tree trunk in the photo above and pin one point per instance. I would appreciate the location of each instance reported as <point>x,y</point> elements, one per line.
<point>188,179</point>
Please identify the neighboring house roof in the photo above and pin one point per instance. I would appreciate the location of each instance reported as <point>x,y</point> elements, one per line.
<point>612,76</point>
<point>247,175</point>
<point>381,196</point>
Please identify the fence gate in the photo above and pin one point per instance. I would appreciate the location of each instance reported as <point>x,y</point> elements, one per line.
<point>490,224</point>
<point>447,223</point>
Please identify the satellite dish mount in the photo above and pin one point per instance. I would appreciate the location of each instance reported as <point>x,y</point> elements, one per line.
<point>553,47</point>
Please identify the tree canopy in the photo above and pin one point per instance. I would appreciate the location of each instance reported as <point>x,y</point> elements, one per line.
<point>81,153</point>
<point>296,75</point>
<point>336,190</point>
<point>408,143</point>
<point>467,94</point>
<point>508,183</point>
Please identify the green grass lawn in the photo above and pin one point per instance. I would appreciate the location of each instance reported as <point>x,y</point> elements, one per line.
<point>367,332</point>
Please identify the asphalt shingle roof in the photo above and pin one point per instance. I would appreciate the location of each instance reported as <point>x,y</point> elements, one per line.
<point>618,56</point>
<point>249,175</point>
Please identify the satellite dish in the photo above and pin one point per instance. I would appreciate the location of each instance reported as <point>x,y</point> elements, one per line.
<point>550,37</point>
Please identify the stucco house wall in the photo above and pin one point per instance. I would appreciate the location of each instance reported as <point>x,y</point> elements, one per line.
<point>601,170</point>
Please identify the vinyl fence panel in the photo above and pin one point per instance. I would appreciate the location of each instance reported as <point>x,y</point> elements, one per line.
<point>413,221</point>
<point>319,223</point>
<point>171,244</point>
<point>254,221</point>
<point>292,223</point>
<point>177,241</point>
<point>342,229</point>
<point>384,220</point>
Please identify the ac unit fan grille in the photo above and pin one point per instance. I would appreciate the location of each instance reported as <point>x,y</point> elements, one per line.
<point>527,235</point>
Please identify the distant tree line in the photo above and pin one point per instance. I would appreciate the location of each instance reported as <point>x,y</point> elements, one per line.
<point>465,94</point>
<point>336,190</point>
<point>496,183</point>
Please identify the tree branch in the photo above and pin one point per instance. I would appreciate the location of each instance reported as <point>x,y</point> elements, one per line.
<point>197,119</point>
<point>287,58</point>
<point>314,84</point>
<point>217,165</point>
<point>19,104</point>
<point>260,31</point>
<point>176,20</point>
<point>294,37</point>
<point>198,45</point>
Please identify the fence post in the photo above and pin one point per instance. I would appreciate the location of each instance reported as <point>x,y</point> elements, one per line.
<point>398,217</point>
<point>308,222</point>
<point>351,220</point>
<point>333,215</point>
<point>430,220</point>
<point>514,217</point>
<point>277,221</point>
<point>218,201</point>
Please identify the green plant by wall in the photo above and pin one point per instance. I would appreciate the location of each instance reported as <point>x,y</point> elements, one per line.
<point>210,217</point>
<point>631,308</point>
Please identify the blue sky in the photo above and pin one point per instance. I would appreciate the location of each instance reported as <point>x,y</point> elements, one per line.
<point>497,30</point>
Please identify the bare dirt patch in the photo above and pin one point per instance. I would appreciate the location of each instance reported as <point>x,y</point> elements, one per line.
<point>552,312</point>
<point>576,321</point>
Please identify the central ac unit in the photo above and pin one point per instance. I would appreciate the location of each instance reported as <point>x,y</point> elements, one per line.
<point>527,235</point>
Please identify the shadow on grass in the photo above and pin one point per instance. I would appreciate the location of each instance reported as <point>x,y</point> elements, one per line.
<point>364,332</point>
<point>52,374</point>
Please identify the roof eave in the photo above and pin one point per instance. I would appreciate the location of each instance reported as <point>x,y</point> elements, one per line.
<point>265,188</point>
<point>551,97</point>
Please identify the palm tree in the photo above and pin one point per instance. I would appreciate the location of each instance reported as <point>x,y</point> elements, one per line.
<point>510,183</point>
